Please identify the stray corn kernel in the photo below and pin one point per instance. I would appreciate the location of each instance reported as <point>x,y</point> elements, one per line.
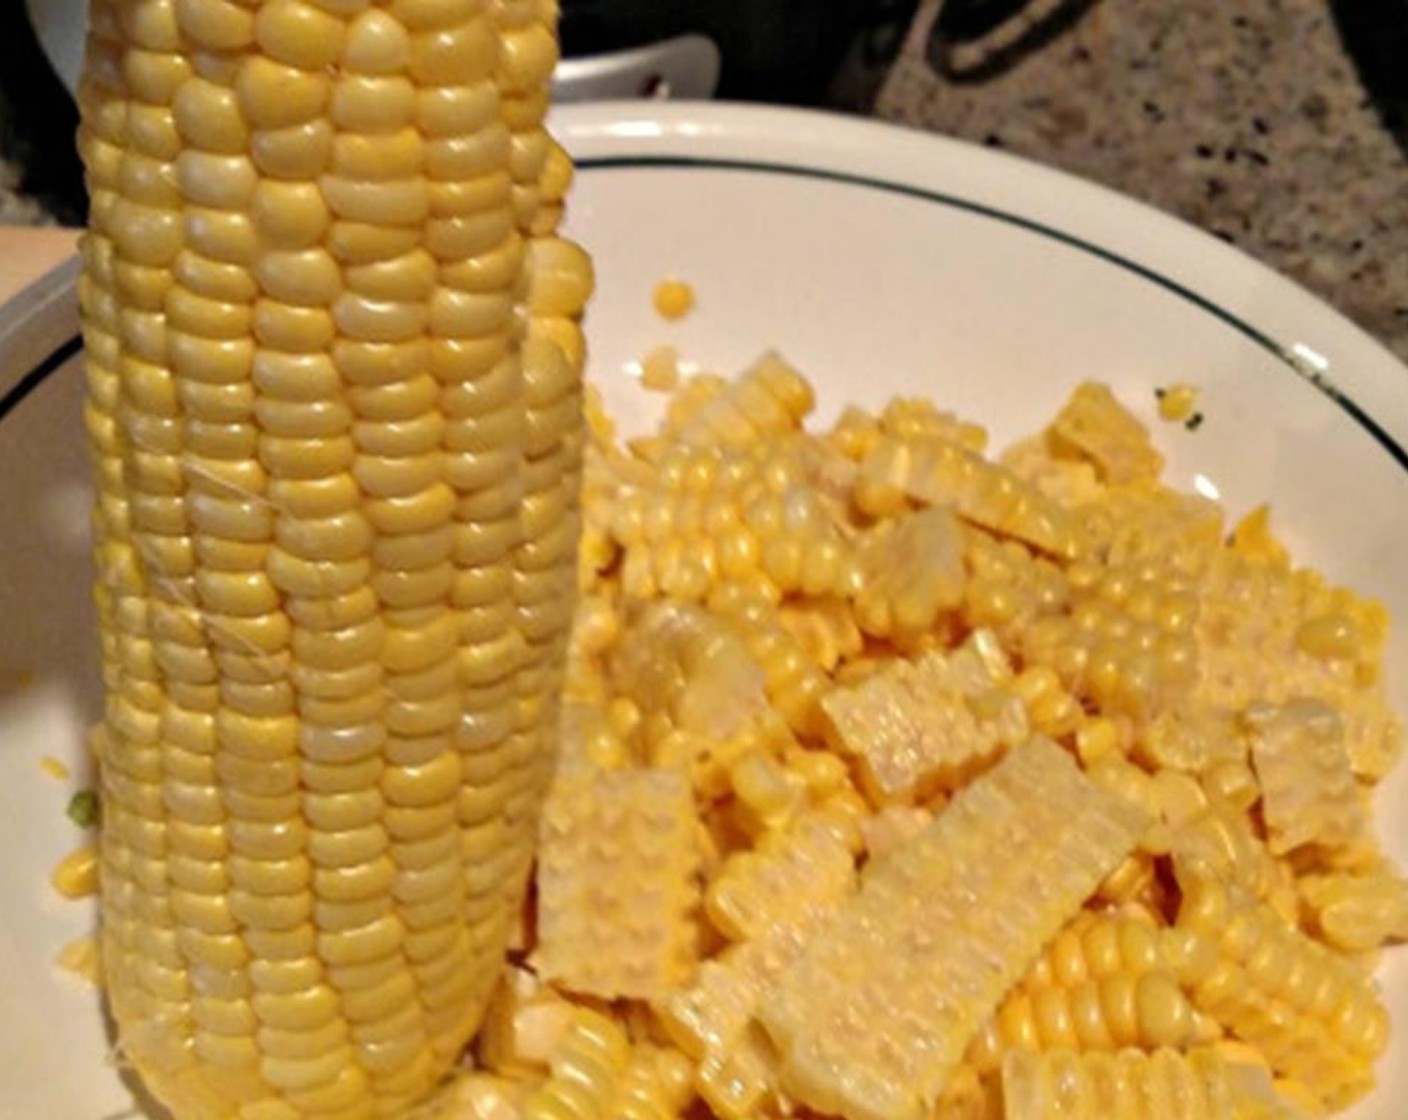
<point>81,958</point>
<point>76,876</point>
<point>674,299</point>
<point>1177,402</point>
<point>660,369</point>
<point>54,767</point>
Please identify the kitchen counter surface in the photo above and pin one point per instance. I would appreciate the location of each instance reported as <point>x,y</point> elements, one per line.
<point>1248,119</point>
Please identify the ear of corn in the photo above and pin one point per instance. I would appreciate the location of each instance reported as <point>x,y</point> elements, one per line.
<point>874,1016</point>
<point>334,406</point>
<point>1309,794</point>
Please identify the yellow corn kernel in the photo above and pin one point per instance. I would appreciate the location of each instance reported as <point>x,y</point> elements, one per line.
<point>76,875</point>
<point>673,299</point>
<point>1177,402</point>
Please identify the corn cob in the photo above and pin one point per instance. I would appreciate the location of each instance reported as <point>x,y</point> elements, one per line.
<point>333,404</point>
<point>1126,1086</point>
<point>1124,641</point>
<point>1272,633</point>
<point>874,1016</point>
<point>855,432</point>
<point>1072,482</point>
<point>1008,587</point>
<point>791,875</point>
<point>1143,522</point>
<point>1309,795</point>
<point>911,572</point>
<point>711,1020</point>
<point>768,401</point>
<point>730,512</point>
<point>1093,425</point>
<point>701,695</point>
<point>918,418</point>
<point>594,1073</point>
<point>523,1025</point>
<point>794,679</point>
<point>917,727</point>
<point>929,470</point>
<point>618,888</point>
<point>585,1071</point>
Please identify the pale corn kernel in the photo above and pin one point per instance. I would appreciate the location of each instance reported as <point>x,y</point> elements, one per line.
<point>213,279</point>
<point>527,57</point>
<point>275,96</point>
<point>223,182</point>
<point>297,330</point>
<point>304,277</point>
<point>297,151</point>
<point>1096,739</point>
<point>376,43</point>
<point>364,242</point>
<point>410,275</point>
<point>660,369</point>
<point>396,202</point>
<point>372,103</point>
<point>82,958</point>
<point>394,155</point>
<point>154,76</point>
<point>1233,783</point>
<point>209,119</point>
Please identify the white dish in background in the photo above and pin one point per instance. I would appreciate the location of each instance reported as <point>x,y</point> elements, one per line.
<point>877,260</point>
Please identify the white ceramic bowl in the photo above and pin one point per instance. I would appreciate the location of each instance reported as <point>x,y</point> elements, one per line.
<point>879,261</point>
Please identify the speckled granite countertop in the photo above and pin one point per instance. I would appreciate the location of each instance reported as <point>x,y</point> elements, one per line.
<point>1246,118</point>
